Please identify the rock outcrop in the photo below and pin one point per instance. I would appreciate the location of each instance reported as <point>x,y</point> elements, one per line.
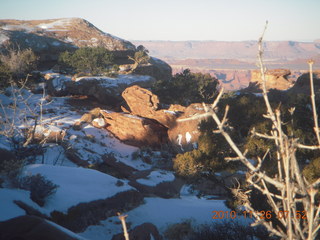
<point>275,79</point>
<point>134,130</point>
<point>48,38</point>
<point>145,104</point>
<point>105,89</point>
<point>156,68</point>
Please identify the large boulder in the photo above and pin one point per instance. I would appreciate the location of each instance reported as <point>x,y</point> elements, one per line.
<point>144,103</point>
<point>134,130</point>
<point>145,231</point>
<point>33,228</point>
<point>156,68</point>
<point>184,135</point>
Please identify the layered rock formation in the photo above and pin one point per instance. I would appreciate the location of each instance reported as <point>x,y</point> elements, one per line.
<point>145,104</point>
<point>275,79</point>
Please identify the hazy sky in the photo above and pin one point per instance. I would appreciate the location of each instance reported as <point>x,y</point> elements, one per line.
<point>231,20</point>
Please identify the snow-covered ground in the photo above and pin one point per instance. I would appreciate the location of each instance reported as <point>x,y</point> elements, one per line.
<point>156,177</point>
<point>161,212</point>
<point>78,184</point>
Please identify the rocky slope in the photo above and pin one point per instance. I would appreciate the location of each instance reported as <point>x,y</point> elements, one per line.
<point>48,38</point>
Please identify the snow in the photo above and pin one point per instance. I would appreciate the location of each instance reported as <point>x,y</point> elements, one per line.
<point>188,137</point>
<point>59,82</point>
<point>132,116</point>
<point>161,213</point>
<point>54,155</point>
<point>156,177</point>
<point>125,79</point>
<point>8,208</point>
<point>60,22</point>
<point>100,122</point>
<point>68,232</point>
<point>179,139</point>
<point>55,43</point>
<point>170,112</point>
<point>76,185</point>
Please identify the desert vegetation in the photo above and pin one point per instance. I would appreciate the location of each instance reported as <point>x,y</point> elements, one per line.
<point>87,60</point>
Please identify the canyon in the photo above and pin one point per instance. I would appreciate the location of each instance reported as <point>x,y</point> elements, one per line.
<point>233,62</point>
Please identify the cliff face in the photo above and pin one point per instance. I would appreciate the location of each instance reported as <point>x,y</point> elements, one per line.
<point>275,79</point>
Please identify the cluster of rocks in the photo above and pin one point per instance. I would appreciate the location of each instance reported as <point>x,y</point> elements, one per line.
<point>143,123</point>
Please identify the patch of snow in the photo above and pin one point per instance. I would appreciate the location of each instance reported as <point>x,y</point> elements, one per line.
<point>76,185</point>
<point>132,116</point>
<point>171,112</point>
<point>8,208</point>
<point>68,232</point>
<point>55,43</point>
<point>187,190</point>
<point>156,177</point>
<point>59,82</point>
<point>100,121</point>
<point>69,40</point>
<point>5,100</point>
<point>188,137</point>
<point>161,212</point>
<point>54,154</point>
<point>24,27</point>
<point>195,145</point>
<point>199,108</point>
<point>60,22</point>
<point>120,79</point>
<point>179,139</point>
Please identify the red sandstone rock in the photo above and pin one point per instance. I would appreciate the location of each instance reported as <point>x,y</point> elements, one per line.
<point>185,134</point>
<point>135,130</point>
<point>145,104</point>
